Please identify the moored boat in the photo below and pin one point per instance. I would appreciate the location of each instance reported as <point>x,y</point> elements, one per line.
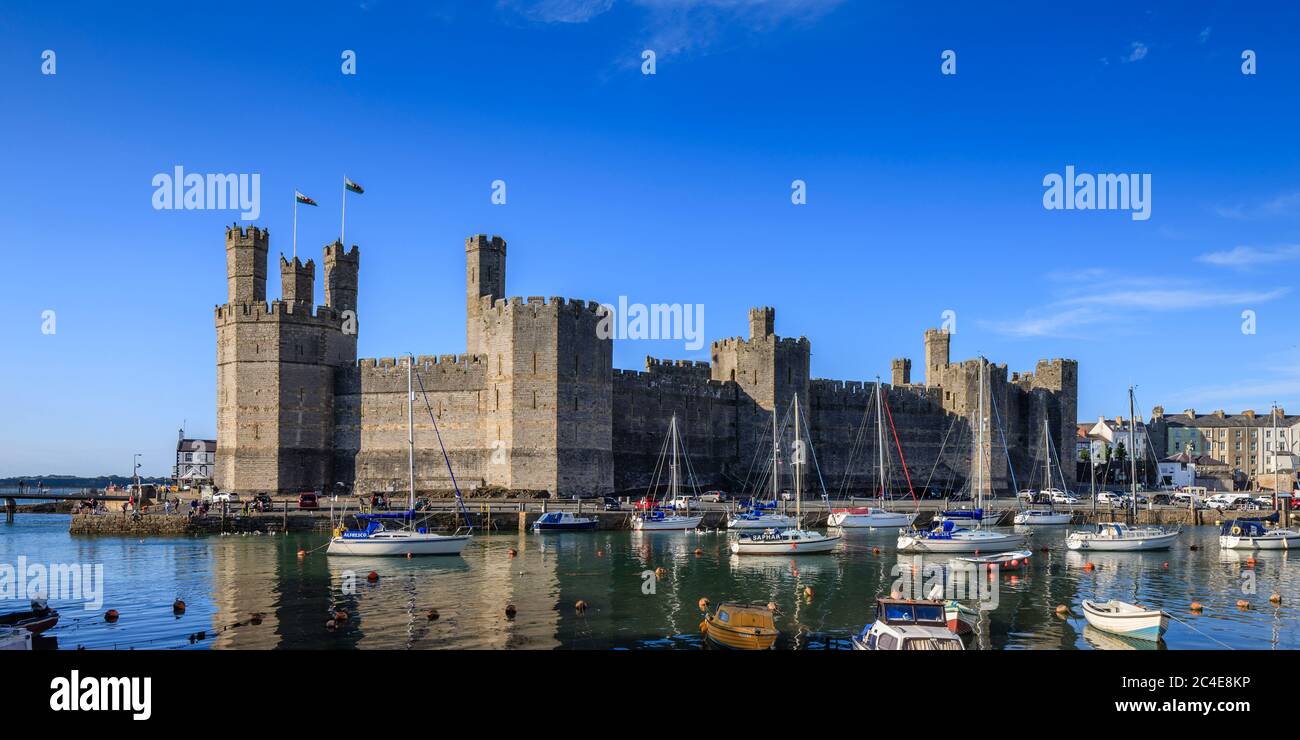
<point>868,516</point>
<point>1120,537</point>
<point>1035,517</point>
<point>35,620</point>
<point>1005,560</point>
<point>908,624</point>
<point>15,638</point>
<point>663,517</point>
<point>740,627</point>
<point>563,521</point>
<point>1126,619</point>
<point>872,516</point>
<point>1049,516</point>
<point>1252,534</point>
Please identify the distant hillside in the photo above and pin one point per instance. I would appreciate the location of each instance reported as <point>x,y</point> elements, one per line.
<point>74,481</point>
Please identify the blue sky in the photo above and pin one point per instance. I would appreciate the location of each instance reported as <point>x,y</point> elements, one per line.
<point>924,190</point>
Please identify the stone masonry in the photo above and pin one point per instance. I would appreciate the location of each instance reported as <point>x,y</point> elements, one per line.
<point>535,404</point>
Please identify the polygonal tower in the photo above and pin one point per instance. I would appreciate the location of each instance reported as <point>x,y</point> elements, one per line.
<point>485,276</point>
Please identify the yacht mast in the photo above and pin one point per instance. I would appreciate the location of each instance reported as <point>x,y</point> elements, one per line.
<point>880,440</point>
<point>776,459</point>
<point>672,486</point>
<point>410,432</point>
<point>1132,451</point>
<point>979,442</point>
<point>798,467</point>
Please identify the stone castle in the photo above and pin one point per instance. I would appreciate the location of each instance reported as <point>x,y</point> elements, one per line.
<point>535,404</point>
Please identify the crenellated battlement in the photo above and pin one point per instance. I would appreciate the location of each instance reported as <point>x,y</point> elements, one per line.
<point>336,252</point>
<point>251,235</point>
<point>541,306</point>
<point>278,311</point>
<point>481,241</point>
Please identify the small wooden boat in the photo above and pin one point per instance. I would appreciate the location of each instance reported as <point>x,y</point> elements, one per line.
<point>961,618</point>
<point>740,627</point>
<point>1125,619</point>
<point>38,619</point>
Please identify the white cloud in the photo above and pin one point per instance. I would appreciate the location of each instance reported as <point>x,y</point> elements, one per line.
<point>559,11</point>
<point>1137,52</point>
<point>1277,206</point>
<point>1246,257</point>
<point>1204,35</point>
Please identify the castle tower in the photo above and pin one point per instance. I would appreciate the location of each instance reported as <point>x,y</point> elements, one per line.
<point>276,365</point>
<point>485,276</point>
<point>902,371</point>
<point>297,281</point>
<point>341,268</point>
<point>246,264</point>
<point>762,322</point>
<point>937,342</point>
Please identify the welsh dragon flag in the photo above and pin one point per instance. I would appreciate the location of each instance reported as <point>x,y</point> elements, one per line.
<point>303,199</point>
<point>352,186</point>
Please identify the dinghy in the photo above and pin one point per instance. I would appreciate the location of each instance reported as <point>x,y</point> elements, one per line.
<point>1004,560</point>
<point>1126,619</point>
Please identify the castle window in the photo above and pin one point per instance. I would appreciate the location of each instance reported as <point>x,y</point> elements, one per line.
<point>534,400</point>
<point>534,363</point>
<point>497,391</point>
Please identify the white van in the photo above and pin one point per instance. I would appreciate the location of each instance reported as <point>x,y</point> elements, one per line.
<point>1190,495</point>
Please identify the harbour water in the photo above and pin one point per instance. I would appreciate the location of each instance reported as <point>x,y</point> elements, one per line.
<point>255,592</point>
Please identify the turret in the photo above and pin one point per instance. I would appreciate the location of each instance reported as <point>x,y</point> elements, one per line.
<point>902,371</point>
<point>937,342</point>
<point>246,264</point>
<point>297,281</point>
<point>485,276</point>
<point>762,322</point>
<point>341,268</point>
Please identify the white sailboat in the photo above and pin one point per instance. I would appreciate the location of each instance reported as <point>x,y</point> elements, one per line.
<point>1048,515</point>
<point>947,536</point>
<point>408,539</point>
<point>760,517</point>
<point>1118,536</point>
<point>870,516</point>
<point>662,517</point>
<point>793,541</point>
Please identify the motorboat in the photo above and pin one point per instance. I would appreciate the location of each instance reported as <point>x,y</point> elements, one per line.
<point>760,519</point>
<point>947,537</point>
<point>740,627</point>
<point>908,624</point>
<point>1128,620</point>
<point>1120,537</point>
<point>563,521</point>
<point>1035,517</point>
<point>1012,560</point>
<point>869,516</point>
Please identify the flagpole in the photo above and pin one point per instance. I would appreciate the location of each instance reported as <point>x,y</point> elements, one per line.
<point>295,224</point>
<point>343,227</point>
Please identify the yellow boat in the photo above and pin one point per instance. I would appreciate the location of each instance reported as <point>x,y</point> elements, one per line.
<point>740,627</point>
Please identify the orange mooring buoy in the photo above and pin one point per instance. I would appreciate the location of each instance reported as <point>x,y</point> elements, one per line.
<point>1250,562</point>
<point>808,592</point>
<point>340,616</point>
<point>600,553</point>
<point>581,606</point>
<point>409,556</point>
<point>1196,606</point>
<point>330,625</point>
<point>699,551</point>
<point>1089,566</point>
<point>302,554</point>
<point>1062,609</point>
<point>659,573</point>
<point>372,576</point>
<point>178,607</point>
<point>111,615</point>
<point>433,614</point>
<point>510,611</point>
<point>875,551</point>
<point>1243,604</point>
<point>1276,598</point>
<point>704,603</point>
<point>771,606</point>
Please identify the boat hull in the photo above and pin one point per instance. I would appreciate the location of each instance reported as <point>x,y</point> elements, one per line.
<point>755,629</point>
<point>784,547</point>
<point>564,527</point>
<point>1138,625</point>
<point>1045,518</point>
<point>1001,543</point>
<point>874,519</point>
<point>777,521</point>
<point>15,639</point>
<point>416,544</point>
<point>672,523</point>
<point>1283,542</point>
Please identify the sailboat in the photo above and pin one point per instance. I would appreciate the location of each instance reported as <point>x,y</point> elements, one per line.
<point>793,541</point>
<point>947,535</point>
<point>1048,515</point>
<point>868,516</point>
<point>764,516</point>
<point>662,517</point>
<point>408,539</point>
<point>1118,536</point>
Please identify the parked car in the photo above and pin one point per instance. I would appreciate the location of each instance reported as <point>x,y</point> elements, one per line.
<point>682,502</point>
<point>1112,498</point>
<point>262,502</point>
<point>1224,501</point>
<point>1061,497</point>
<point>308,501</point>
<point>645,504</point>
<point>713,497</point>
<point>611,504</point>
<point>1027,495</point>
<point>225,497</point>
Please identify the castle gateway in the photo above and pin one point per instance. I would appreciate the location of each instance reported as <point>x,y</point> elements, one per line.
<point>535,403</point>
